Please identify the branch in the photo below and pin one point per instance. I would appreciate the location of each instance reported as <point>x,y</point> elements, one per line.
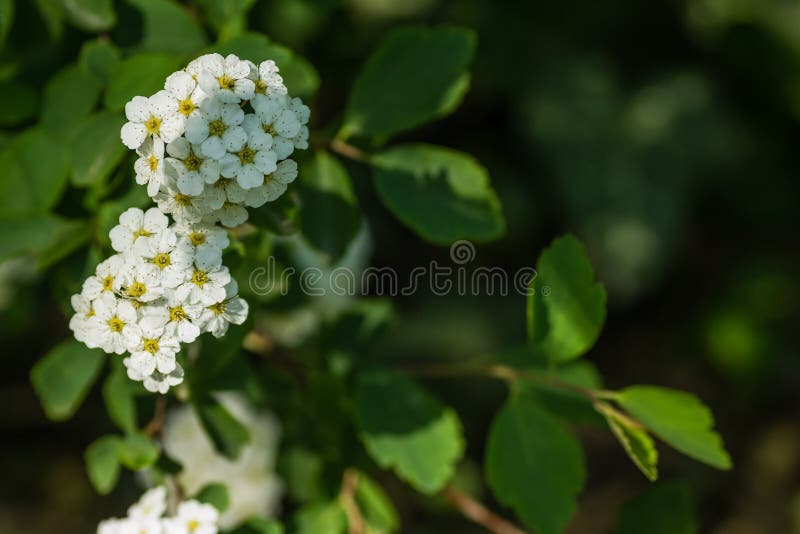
<point>355,522</point>
<point>156,424</point>
<point>347,150</point>
<point>478,513</point>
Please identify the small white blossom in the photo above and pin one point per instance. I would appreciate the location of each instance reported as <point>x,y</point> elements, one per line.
<point>216,127</point>
<point>193,168</point>
<point>114,324</point>
<point>193,518</point>
<point>226,78</point>
<point>154,117</point>
<point>104,278</point>
<point>208,242</point>
<point>169,257</point>
<point>252,162</point>
<point>154,349</point>
<point>149,166</point>
<point>206,285</point>
<point>135,224</point>
<point>230,309</point>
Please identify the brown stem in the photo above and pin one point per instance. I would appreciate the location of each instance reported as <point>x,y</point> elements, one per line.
<point>347,150</point>
<point>156,424</point>
<point>478,513</point>
<point>347,497</point>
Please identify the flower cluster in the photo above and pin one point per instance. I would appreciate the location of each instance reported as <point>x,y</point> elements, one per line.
<point>212,143</point>
<point>216,139</point>
<point>147,517</point>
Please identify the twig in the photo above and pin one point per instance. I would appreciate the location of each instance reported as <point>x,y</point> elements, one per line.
<point>478,513</point>
<point>347,150</point>
<point>347,497</point>
<point>156,424</point>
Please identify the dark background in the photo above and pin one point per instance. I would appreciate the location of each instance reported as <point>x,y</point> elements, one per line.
<point>664,134</point>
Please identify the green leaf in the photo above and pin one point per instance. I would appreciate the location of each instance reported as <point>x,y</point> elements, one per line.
<point>96,148</point>
<point>102,463</point>
<point>139,75</point>
<point>228,18</point>
<point>678,418</point>
<point>377,510</point>
<point>259,525</point>
<point>302,471</point>
<point>6,19</point>
<point>214,494</point>
<point>534,465</point>
<point>90,15</point>
<point>68,97</point>
<point>567,309</point>
<point>19,104</point>
<point>64,376</point>
<point>168,27</point>
<point>327,518</point>
<point>99,58</point>
<point>46,237</point>
<point>665,508</point>
<point>442,194</point>
<point>416,75</point>
<point>330,215</point>
<point>281,217</point>
<point>118,397</point>
<point>404,428</point>
<point>226,432</point>
<point>298,74</point>
<point>35,174</point>
<point>137,451</point>
<point>52,14</point>
<point>638,444</point>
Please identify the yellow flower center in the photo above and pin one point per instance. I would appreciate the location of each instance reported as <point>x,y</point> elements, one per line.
<point>218,308</point>
<point>192,162</point>
<point>186,106</point>
<point>116,324</point>
<point>216,128</point>
<point>226,82</point>
<point>199,278</point>
<point>108,283</point>
<point>261,87</point>
<point>222,182</point>
<point>136,290</point>
<point>246,155</point>
<point>192,525</point>
<point>183,200</point>
<point>90,313</point>
<point>177,314</point>
<point>152,162</point>
<point>141,232</point>
<point>152,125</point>
<point>151,345</point>
<point>162,260</point>
<point>197,238</point>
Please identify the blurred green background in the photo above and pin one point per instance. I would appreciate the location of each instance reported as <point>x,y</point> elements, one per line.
<point>664,134</point>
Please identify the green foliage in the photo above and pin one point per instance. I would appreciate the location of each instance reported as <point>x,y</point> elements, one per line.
<point>329,518</point>
<point>260,526</point>
<point>137,451</point>
<point>20,103</point>
<point>226,432</point>
<point>102,463</point>
<point>406,429</point>
<point>90,15</point>
<point>168,27</point>
<point>567,308</point>
<point>119,399</point>
<point>69,96</point>
<point>95,148</point>
<point>638,444</point>
<point>534,465</point>
<point>441,194</point>
<point>377,510</point>
<point>99,58</point>
<point>63,378</point>
<point>665,508</point>
<point>215,495</point>
<point>678,418</point>
<point>416,75</point>
<point>227,18</point>
<point>141,74</point>
<point>46,238</point>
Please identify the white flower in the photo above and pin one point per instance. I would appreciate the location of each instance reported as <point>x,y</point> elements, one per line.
<point>182,207</point>
<point>254,489</point>
<point>230,309</point>
<point>274,185</point>
<point>104,278</point>
<point>269,80</point>
<point>120,526</point>
<point>133,224</point>
<point>208,242</point>
<point>80,322</point>
<point>160,383</point>
<point>226,78</point>
<point>252,162</point>
<point>156,117</point>
<point>193,517</point>
<point>113,326</point>
<point>206,285</point>
<point>182,86</point>
<point>151,505</point>
<point>283,118</point>
<point>149,166</point>
<point>180,315</point>
<point>230,214</point>
<point>170,257</point>
<point>194,169</point>
<point>153,350</point>
<point>216,128</point>
<point>140,282</point>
